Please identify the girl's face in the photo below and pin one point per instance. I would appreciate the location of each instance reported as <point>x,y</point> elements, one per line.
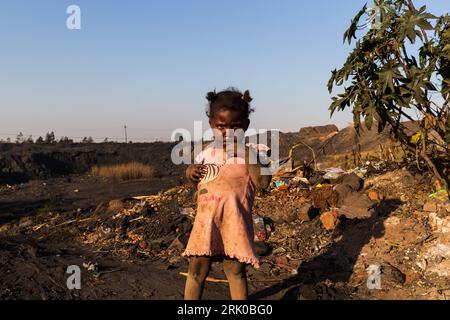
<point>225,122</point>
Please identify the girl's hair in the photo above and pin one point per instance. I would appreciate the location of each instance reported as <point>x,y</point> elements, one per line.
<point>231,99</point>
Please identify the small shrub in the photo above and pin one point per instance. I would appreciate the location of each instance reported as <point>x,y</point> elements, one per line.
<point>122,172</point>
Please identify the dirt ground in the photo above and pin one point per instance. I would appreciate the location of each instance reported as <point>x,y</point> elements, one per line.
<point>319,240</point>
<point>135,245</point>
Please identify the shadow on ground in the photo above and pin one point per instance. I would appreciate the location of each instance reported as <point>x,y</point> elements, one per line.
<point>336,264</point>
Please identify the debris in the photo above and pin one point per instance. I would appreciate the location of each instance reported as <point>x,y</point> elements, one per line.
<point>347,184</point>
<point>208,279</point>
<point>89,266</point>
<point>305,213</point>
<point>441,225</point>
<point>391,274</point>
<point>357,206</point>
<point>25,223</point>
<point>260,228</point>
<point>279,250</point>
<point>281,185</point>
<point>179,243</point>
<point>298,179</point>
<point>430,206</point>
<point>333,173</point>
<point>190,212</point>
<point>324,197</point>
<point>329,220</point>
<point>215,280</point>
<point>285,263</point>
<point>143,245</point>
<point>261,248</point>
<point>4,228</point>
<point>422,264</point>
<point>374,196</point>
<point>115,205</point>
<point>441,195</point>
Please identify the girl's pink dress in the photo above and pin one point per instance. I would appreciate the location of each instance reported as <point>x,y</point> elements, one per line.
<point>223,224</point>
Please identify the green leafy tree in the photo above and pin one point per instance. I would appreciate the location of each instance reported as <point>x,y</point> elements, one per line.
<point>399,70</point>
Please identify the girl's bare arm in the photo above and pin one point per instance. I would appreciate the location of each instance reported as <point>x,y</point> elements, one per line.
<point>260,181</point>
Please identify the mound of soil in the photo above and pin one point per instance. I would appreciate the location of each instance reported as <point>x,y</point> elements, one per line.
<point>24,162</point>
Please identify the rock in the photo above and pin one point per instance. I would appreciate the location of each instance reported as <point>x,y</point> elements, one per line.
<point>351,180</point>
<point>430,206</point>
<point>346,186</point>
<point>25,224</point>
<point>357,206</point>
<point>374,196</point>
<point>284,263</point>
<point>439,224</point>
<point>325,197</point>
<point>391,274</point>
<point>179,242</point>
<point>392,221</point>
<point>329,220</point>
<point>115,205</point>
<point>305,213</point>
<point>422,264</point>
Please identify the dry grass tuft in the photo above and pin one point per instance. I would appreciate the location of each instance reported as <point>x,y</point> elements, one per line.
<point>122,172</point>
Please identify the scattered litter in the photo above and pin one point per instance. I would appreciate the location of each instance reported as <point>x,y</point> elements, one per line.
<point>190,212</point>
<point>440,195</point>
<point>91,267</point>
<point>279,250</point>
<point>333,173</point>
<point>282,184</point>
<point>260,228</point>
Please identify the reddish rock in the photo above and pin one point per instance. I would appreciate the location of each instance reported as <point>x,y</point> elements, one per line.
<point>329,220</point>
<point>143,245</point>
<point>430,207</point>
<point>374,196</point>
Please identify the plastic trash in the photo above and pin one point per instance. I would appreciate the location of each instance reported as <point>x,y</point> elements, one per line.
<point>333,173</point>
<point>440,195</point>
<point>260,228</point>
<point>282,184</point>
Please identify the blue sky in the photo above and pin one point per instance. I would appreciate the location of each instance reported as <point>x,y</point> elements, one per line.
<point>149,64</point>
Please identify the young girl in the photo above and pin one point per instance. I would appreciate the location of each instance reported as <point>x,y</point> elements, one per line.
<point>226,184</point>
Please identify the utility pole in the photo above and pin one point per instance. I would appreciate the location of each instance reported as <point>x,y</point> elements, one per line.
<point>126,138</point>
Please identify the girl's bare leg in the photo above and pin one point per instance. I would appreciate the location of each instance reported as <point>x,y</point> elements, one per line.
<point>237,278</point>
<point>198,271</point>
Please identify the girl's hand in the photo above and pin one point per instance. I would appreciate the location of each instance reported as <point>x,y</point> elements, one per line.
<point>195,172</point>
